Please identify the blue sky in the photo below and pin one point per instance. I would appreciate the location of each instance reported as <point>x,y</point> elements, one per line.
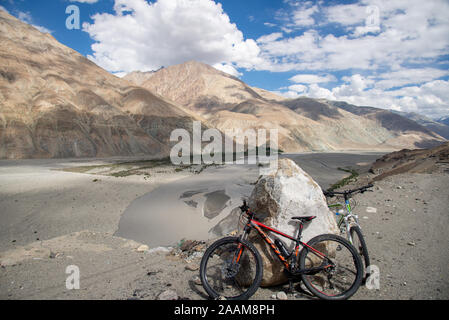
<point>387,54</point>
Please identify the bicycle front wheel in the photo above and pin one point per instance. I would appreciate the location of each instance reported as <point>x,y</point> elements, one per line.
<point>358,241</point>
<point>335,268</point>
<point>231,268</point>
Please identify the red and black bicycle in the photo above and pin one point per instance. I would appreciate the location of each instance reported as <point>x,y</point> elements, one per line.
<point>328,265</point>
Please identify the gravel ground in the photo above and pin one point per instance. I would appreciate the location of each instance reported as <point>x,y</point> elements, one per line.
<point>406,238</point>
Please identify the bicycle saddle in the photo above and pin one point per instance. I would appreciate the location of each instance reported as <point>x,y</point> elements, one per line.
<point>304,219</point>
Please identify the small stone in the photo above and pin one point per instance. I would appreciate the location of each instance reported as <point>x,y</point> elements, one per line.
<point>168,295</point>
<point>142,248</point>
<point>192,266</point>
<point>273,296</point>
<point>188,245</point>
<point>281,295</point>
<point>197,280</point>
<point>411,243</point>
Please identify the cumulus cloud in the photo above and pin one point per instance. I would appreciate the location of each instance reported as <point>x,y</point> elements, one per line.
<point>228,69</point>
<point>145,36</point>
<point>394,51</point>
<point>429,98</point>
<point>378,34</point>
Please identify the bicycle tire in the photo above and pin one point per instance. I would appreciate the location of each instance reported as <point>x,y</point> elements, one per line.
<point>361,247</point>
<point>251,289</point>
<point>338,242</point>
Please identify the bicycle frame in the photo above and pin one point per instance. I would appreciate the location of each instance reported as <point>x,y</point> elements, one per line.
<point>290,266</point>
<point>347,218</point>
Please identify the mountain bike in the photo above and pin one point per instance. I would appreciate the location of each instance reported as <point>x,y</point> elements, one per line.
<point>348,223</point>
<point>328,265</point>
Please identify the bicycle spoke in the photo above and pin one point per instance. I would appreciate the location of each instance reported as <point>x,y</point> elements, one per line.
<point>336,275</point>
<point>226,277</point>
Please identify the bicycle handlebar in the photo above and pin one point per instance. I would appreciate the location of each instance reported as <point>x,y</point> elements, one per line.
<point>348,192</point>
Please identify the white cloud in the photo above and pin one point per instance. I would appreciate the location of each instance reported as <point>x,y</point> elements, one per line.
<point>303,16</point>
<point>398,44</point>
<point>26,17</point>
<point>228,69</point>
<point>269,24</point>
<point>409,76</point>
<point>312,78</point>
<point>406,32</point>
<point>85,1</point>
<point>297,88</point>
<point>429,98</point>
<point>145,36</point>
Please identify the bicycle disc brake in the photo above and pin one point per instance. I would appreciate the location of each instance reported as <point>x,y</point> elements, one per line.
<point>229,269</point>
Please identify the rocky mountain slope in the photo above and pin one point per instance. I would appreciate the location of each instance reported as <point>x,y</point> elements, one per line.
<point>412,161</point>
<point>56,103</point>
<point>438,128</point>
<point>304,124</point>
<point>406,131</point>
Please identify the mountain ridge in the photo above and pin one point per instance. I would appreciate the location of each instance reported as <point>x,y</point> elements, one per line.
<point>226,102</point>
<point>55,103</point>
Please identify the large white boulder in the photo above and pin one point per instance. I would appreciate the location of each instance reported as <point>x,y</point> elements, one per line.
<point>284,193</point>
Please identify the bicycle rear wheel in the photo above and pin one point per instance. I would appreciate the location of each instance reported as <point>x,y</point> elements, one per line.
<point>231,268</point>
<point>337,268</point>
<point>358,241</point>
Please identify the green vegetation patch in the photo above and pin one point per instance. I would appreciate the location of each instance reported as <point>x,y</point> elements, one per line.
<point>347,180</point>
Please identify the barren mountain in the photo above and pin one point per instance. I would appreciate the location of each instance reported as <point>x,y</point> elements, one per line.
<point>138,77</point>
<point>438,128</point>
<point>304,124</point>
<point>56,103</point>
<point>200,87</point>
<point>408,130</point>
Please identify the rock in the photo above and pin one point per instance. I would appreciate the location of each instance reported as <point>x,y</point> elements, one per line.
<point>160,250</point>
<point>197,280</point>
<point>281,295</point>
<point>284,193</point>
<point>192,266</point>
<point>168,295</point>
<point>188,245</point>
<point>142,248</point>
